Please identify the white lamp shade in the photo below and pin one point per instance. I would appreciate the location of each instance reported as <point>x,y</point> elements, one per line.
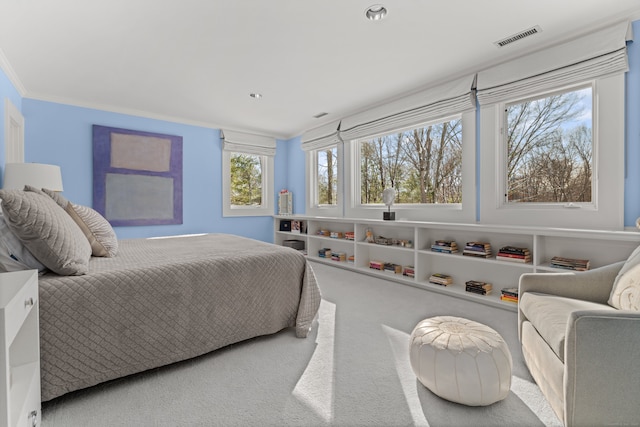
<point>38,175</point>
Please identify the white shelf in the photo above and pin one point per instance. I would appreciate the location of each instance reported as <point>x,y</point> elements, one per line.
<point>601,247</point>
<point>19,349</point>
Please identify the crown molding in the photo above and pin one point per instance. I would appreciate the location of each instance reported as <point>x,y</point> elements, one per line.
<point>11,74</point>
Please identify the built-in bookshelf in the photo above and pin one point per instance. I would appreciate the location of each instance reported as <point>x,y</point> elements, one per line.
<point>409,244</point>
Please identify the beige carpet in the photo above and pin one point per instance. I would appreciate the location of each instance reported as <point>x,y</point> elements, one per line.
<point>353,370</point>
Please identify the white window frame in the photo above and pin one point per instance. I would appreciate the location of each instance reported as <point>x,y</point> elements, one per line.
<point>606,211</point>
<point>455,212</point>
<point>267,207</point>
<point>311,166</point>
<point>234,142</point>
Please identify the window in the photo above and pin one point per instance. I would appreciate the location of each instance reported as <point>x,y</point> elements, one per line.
<point>323,159</point>
<point>550,149</point>
<point>552,134</point>
<point>423,165</point>
<point>572,172</point>
<point>247,172</point>
<point>324,182</point>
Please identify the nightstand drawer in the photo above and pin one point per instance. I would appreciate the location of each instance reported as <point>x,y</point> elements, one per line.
<point>20,306</point>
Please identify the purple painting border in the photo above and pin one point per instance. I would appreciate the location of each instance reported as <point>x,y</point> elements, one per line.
<point>102,166</point>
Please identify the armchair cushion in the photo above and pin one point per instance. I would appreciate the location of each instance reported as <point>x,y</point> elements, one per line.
<point>549,315</point>
<point>625,294</point>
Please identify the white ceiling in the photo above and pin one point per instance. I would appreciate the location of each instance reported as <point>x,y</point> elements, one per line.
<point>196,61</point>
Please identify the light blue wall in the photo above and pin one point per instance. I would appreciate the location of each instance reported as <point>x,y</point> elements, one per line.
<point>632,132</point>
<point>297,175</point>
<point>62,134</point>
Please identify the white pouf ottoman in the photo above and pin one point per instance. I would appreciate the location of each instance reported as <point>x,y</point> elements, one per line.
<point>461,360</point>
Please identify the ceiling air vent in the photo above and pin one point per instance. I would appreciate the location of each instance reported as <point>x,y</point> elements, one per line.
<point>317,116</point>
<point>519,36</point>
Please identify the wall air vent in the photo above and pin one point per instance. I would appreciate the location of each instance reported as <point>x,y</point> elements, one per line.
<point>519,36</point>
<point>317,116</point>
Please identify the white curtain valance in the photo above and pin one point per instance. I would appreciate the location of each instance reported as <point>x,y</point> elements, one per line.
<point>443,100</point>
<point>248,143</point>
<point>595,55</point>
<point>321,137</point>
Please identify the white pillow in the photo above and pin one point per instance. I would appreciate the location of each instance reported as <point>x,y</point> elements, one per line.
<point>625,294</point>
<point>13,255</point>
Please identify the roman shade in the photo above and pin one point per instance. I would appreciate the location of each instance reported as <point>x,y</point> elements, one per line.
<point>321,137</point>
<point>240,142</point>
<point>597,54</point>
<point>436,102</point>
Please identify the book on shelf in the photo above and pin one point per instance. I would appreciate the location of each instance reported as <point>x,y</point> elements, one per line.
<point>390,267</point>
<point>440,279</point>
<point>514,250</point>
<point>570,263</point>
<point>508,298</point>
<point>509,294</point>
<point>512,258</point>
<point>445,243</point>
<point>478,287</point>
<point>477,249</point>
<point>477,253</point>
<point>444,249</point>
<point>408,271</point>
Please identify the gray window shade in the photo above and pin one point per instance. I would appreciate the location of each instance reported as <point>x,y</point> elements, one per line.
<point>440,101</point>
<point>240,142</point>
<point>595,55</point>
<point>321,137</point>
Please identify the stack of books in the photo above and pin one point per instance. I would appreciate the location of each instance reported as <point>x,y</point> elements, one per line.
<point>440,279</point>
<point>509,294</point>
<point>514,254</point>
<point>409,271</point>
<point>477,249</point>
<point>478,287</point>
<point>390,267</point>
<point>445,246</point>
<point>570,263</point>
<point>324,253</point>
<point>338,256</point>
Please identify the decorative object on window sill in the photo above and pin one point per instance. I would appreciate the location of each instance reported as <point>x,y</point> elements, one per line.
<point>285,202</point>
<point>388,195</point>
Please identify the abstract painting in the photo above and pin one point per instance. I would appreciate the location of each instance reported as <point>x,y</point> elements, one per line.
<point>137,176</point>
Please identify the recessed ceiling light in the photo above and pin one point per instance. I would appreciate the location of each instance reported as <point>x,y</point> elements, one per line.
<point>255,95</point>
<point>375,12</point>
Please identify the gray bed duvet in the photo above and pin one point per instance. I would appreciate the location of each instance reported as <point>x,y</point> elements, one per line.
<point>165,300</point>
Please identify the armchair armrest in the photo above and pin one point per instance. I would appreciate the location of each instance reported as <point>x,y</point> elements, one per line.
<point>592,285</point>
<point>601,371</point>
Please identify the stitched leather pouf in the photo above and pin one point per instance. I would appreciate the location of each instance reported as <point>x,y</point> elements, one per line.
<point>461,360</point>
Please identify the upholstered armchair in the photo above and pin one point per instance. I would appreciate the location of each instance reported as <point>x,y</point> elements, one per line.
<point>580,337</point>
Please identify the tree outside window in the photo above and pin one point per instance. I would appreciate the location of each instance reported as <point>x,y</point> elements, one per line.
<point>550,149</point>
<point>424,165</point>
<point>327,168</point>
<point>246,180</point>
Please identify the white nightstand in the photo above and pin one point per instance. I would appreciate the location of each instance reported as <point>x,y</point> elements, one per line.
<point>19,349</point>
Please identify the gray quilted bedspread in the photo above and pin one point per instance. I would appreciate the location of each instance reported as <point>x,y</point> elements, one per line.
<point>160,301</point>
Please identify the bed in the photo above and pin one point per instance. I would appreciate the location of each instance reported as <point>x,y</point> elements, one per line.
<point>153,301</point>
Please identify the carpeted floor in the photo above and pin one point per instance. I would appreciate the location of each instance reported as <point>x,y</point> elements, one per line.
<point>353,370</point>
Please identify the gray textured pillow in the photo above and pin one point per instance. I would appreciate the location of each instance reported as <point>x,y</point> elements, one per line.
<point>625,294</point>
<point>47,231</point>
<point>96,228</point>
